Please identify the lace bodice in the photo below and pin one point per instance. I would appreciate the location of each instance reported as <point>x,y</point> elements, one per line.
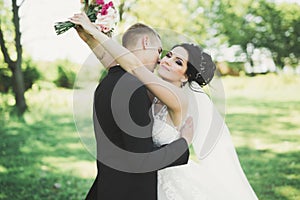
<point>173,183</point>
<point>162,133</point>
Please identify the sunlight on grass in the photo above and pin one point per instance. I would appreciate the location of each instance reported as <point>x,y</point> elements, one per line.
<point>73,146</point>
<point>286,191</point>
<point>271,86</point>
<point>82,169</point>
<point>45,156</point>
<point>43,102</point>
<point>263,116</point>
<point>3,169</point>
<point>261,144</point>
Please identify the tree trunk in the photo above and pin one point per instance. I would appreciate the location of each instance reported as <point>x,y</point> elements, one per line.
<point>121,10</point>
<point>18,88</point>
<point>18,80</point>
<point>15,66</point>
<point>249,52</point>
<point>279,61</point>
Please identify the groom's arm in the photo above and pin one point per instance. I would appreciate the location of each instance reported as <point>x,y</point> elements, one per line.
<point>104,57</point>
<point>176,148</point>
<point>173,154</point>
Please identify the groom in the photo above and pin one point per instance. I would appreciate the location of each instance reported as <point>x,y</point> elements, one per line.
<point>127,159</point>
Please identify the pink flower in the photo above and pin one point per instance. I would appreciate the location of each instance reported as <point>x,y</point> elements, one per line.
<point>106,6</point>
<point>111,4</point>
<point>100,2</point>
<point>104,11</point>
<point>103,28</point>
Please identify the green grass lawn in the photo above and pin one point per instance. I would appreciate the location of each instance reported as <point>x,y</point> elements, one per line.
<point>42,156</point>
<point>263,114</point>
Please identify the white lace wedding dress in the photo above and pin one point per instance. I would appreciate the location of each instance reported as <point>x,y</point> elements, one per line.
<point>199,180</point>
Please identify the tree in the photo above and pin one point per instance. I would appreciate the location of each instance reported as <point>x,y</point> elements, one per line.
<point>176,20</point>
<point>284,35</point>
<point>15,65</point>
<point>124,7</point>
<point>262,23</point>
<point>233,25</point>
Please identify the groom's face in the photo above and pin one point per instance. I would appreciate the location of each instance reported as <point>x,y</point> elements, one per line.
<point>152,53</point>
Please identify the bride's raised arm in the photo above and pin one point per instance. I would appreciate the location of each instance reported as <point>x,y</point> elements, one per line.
<point>169,94</point>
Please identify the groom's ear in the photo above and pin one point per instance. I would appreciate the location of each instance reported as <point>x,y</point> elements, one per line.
<point>145,41</point>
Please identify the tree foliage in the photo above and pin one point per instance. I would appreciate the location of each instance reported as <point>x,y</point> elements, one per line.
<point>172,19</point>
<point>262,24</point>
<point>212,23</point>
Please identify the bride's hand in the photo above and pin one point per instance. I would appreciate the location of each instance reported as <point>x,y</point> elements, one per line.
<point>83,20</point>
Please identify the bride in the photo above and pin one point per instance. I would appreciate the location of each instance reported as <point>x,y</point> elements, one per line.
<point>217,174</point>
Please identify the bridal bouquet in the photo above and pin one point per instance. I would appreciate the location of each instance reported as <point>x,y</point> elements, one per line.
<point>103,15</point>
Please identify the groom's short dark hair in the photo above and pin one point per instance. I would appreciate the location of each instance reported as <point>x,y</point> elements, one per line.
<point>131,36</point>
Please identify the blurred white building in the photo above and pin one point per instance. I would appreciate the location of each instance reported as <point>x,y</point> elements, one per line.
<point>262,62</point>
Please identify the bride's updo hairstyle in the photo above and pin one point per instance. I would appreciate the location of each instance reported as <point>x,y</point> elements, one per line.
<point>200,68</point>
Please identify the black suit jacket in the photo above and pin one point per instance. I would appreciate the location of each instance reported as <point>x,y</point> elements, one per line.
<point>127,159</point>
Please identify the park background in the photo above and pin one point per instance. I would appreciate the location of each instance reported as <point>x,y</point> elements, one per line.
<point>255,44</point>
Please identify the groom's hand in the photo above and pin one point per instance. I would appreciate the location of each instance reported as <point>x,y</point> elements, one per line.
<point>187,130</point>
<point>82,33</point>
<point>86,37</point>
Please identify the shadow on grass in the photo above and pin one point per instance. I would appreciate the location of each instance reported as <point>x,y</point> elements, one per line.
<point>43,160</point>
<point>274,121</point>
<point>267,139</point>
<point>272,175</point>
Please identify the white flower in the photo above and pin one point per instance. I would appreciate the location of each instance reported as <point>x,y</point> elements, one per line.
<point>107,22</point>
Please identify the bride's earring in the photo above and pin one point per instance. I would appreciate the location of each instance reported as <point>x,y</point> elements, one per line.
<point>182,84</point>
<point>183,81</point>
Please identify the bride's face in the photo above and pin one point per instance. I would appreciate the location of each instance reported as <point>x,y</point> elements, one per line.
<point>173,66</point>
